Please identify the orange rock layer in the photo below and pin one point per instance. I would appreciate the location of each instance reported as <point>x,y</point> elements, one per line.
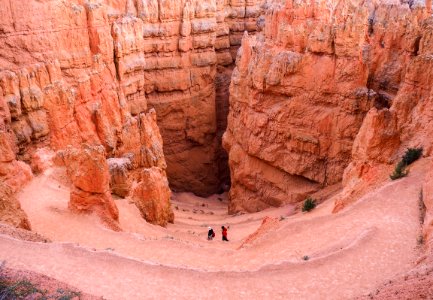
<point>328,90</point>
<point>88,71</point>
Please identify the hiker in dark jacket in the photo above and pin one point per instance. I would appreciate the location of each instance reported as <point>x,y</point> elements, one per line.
<point>224,232</point>
<point>210,234</point>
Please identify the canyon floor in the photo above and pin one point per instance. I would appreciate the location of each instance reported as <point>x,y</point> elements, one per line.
<point>349,253</point>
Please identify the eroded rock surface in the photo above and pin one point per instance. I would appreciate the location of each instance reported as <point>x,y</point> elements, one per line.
<point>88,171</point>
<point>233,19</point>
<point>13,174</point>
<point>84,71</point>
<point>152,197</point>
<point>187,47</point>
<point>119,169</point>
<point>10,209</point>
<point>326,85</point>
<point>406,119</point>
<point>68,81</point>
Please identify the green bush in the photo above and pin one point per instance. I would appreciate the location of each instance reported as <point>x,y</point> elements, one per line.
<point>309,204</point>
<point>399,171</point>
<point>411,155</point>
<point>19,289</point>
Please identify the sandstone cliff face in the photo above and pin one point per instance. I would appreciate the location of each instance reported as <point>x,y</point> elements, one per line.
<point>13,174</point>
<point>80,76</point>
<point>178,61</point>
<point>60,86</point>
<point>233,19</point>
<point>301,92</point>
<point>407,120</point>
<point>85,71</point>
<point>164,54</point>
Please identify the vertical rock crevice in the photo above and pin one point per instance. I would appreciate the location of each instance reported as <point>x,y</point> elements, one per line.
<point>113,61</point>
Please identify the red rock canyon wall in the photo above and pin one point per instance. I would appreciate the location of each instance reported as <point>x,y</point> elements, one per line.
<point>63,83</point>
<point>328,89</point>
<point>88,72</point>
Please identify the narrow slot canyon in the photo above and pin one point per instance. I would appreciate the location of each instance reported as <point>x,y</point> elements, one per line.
<point>130,130</point>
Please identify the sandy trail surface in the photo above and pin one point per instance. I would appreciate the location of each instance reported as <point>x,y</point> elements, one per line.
<point>350,253</point>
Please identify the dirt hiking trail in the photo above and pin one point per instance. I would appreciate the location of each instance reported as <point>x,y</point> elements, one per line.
<point>349,253</point>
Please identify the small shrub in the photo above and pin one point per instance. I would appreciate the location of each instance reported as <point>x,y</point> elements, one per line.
<point>411,155</point>
<point>399,171</point>
<point>66,294</point>
<point>305,257</point>
<point>420,240</point>
<point>309,204</point>
<point>18,290</point>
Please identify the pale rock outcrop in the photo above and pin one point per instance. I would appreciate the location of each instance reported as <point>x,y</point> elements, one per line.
<point>142,143</point>
<point>326,86</point>
<point>10,209</point>
<point>119,168</point>
<point>42,159</point>
<point>142,148</point>
<point>140,171</point>
<point>88,171</point>
<point>152,197</point>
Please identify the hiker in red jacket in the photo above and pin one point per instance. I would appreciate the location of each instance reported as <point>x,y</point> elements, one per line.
<point>224,233</point>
